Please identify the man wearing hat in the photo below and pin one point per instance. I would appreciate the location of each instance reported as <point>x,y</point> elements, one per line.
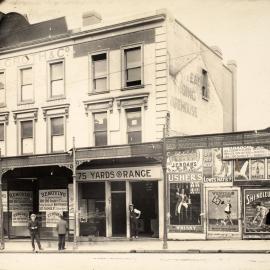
<point>134,216</point>
<point>33,227</point>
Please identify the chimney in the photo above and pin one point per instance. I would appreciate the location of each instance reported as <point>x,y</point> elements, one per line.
<point>232,65</point>
<point>90,18</point>
<point>217,50</point>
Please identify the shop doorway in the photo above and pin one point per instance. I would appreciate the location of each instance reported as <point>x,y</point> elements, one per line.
<point>145,199</point>
<point>118,202</point>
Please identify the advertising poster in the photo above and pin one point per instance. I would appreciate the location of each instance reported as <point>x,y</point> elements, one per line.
<point>223,210</point>
<point>52,200</point>
<point>241,171</point>
<point>244,152</point>
<point>185,166</point>
<point>256,210</point>
<point>4,200</point>
<point>20,218</point>
<point>20,201</point>
<point>52,218</point>
<point>185,207</point>
<point>216,170</point>
<point>257,169</point>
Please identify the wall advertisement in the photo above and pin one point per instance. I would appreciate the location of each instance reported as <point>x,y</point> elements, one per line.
<point>256,211</point>
<point>20,218</point>
<point>52,218</point>
<point>20,200</point>
<point>245,152</point>
<point>223,210</point>
<point>4,200</point>
<point>52,200</point>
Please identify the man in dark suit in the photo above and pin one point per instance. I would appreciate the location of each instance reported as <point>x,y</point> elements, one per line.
<point>33,227</point>
<point>61,228</point>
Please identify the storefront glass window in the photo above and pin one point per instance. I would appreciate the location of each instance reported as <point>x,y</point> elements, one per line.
<point>92,210</point>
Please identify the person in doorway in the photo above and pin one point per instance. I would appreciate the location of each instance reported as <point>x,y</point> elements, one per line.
<point>134,216</point>
<point>33,227</point>
<point>61,228</point>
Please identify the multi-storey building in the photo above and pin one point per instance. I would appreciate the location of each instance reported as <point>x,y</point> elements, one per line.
<point>112,86</point>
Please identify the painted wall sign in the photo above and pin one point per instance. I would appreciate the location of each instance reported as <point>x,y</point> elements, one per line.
<point>257,169</point>
<point>20,200</point>
<point>184,166</point>
<point>20,218</point>
<point>128,173</point>
<point>216,170</point>
<point>52,200</point>
<point>4,200</point>
<point>185,207</point>
<point>36,57</point>
<point>223,210</point>
<point>244,152</point>
<point>256,210</point>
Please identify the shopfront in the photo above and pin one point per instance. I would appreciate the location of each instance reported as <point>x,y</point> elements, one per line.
<point>104,195</point>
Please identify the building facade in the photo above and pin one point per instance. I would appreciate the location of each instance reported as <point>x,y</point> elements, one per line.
<point>112,86</point>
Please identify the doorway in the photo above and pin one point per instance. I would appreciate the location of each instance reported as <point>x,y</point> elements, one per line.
<point>118,202</point>
<point>145,199</point>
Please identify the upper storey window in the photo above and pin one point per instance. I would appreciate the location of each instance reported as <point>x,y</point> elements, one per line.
<point>57,80</point>
<point>26,88</point>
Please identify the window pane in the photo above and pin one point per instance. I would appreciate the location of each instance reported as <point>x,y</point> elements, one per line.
<point>133,57</point>
<point>57,126</point>
<point>2,80</point>
<point>58,143</point>
<point>26,76</point>
<point>27,92</point>
<point>134,74</point>
<point>2,132</point>
<point>2,95</point>
<point>100,84</point>
<point>100,121</point>
<point>100,138</point>
<point>57,88</point>
<point>57,71</point>
<point>134,120</point>
<point>27,146</point>
<point>99,67</point>
<point>26,129</point>
<point>135,137</point>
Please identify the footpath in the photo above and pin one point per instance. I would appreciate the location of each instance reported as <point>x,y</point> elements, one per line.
<point>145,246</point>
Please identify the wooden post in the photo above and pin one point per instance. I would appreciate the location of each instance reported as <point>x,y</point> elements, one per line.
<point>74,194</point>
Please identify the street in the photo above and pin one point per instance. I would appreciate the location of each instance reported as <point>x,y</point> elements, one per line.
<point>100,261</point>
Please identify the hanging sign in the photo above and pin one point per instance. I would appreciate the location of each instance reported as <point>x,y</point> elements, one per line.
<point>52,200</point>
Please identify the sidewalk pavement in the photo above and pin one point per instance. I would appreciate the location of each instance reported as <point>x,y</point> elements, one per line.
<point>146,246</point>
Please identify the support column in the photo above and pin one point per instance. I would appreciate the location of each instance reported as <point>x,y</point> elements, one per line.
<point>128,201</point>
<point>108,209</point>
<point>160,209</point>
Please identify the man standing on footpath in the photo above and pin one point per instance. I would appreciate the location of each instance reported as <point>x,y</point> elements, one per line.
<point>134,216</point>
<point>33,227</point>
<point>61,228</point>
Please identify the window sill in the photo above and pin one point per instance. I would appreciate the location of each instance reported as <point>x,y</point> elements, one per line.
<point>97,93</point>
<point>26,102</point>
<point>133,87</point>
<point>56,98</point>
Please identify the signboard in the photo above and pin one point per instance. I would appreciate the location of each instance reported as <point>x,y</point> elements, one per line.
<point>241,152</point>
<point>128,173</point>
<point>257,169</point>
<point>185,207</point>
<point>241,169</point>
<point>223,210</point>
<point>52,218</point>
<point>52,200</point>
<point>20,218</point>
<point>4,200</point>
<point>216,170</point>
<point>185,166</point>
<point>256,211</point>
<point>20,200</point>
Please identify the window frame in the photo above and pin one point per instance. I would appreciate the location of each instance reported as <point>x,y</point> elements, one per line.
<point>50,136</point>
<point>3,104</point>
<point>205,88</point>
<point>5,138</point>
<point>21,139</point>
<point>93,127</point>
<point>20,86</point>
<point>49,92</point>
<point>91,72</point>
<point>139,108</point>
<point>124,65</point>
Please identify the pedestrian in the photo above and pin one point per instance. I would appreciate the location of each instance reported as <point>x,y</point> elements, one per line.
<point>61,228</point>
<point>134,216</point>
<point>33,227</point>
